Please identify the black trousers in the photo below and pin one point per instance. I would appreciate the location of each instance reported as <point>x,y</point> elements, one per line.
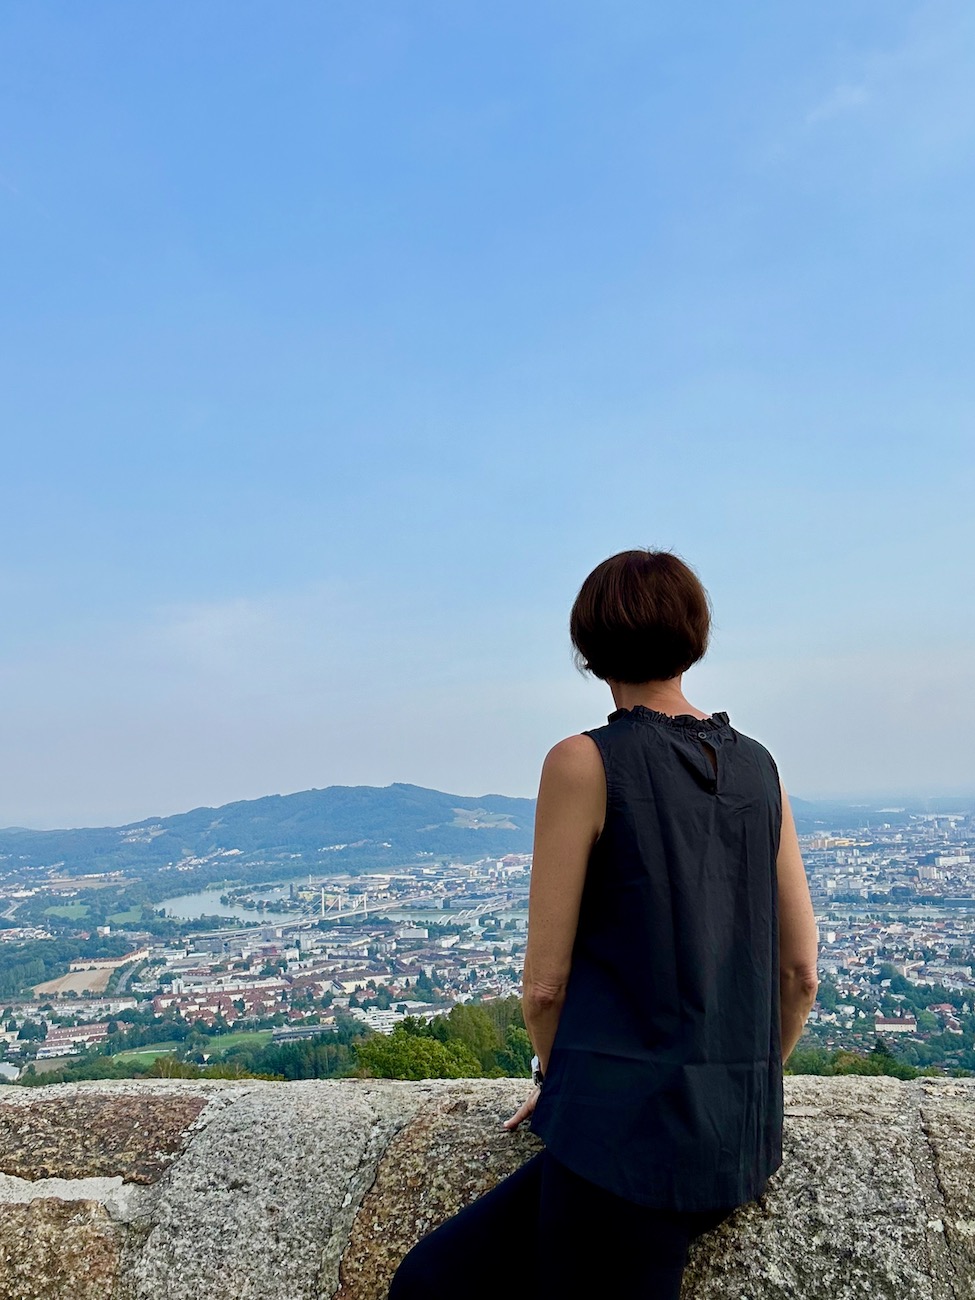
<point>543,1232</point>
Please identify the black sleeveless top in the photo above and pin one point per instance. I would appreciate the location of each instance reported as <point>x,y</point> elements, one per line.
<point>664,1083</point>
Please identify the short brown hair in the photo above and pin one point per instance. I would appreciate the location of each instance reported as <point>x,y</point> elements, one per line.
<point>640,616</point>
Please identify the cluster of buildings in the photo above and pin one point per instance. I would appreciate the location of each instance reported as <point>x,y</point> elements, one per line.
<point>419,940</point>
<point>897,895</point>
<point>88,1024</point>
<point>341,951</point>
<point>245,976</point>
<point>928,860</point>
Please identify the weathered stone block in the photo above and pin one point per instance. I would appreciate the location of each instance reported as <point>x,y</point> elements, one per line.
<point>314,1190</point>
<point>77,1135</point>
<point>58,1250</point>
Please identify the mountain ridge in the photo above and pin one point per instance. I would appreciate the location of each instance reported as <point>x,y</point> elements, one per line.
<point>336,826</point>
<point>333,825</point>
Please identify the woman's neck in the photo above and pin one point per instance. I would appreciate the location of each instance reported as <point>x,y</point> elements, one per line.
<point>665,697</point>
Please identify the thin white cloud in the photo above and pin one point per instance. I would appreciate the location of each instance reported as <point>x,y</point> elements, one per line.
<point>841,100</point>
<point>914,98</point>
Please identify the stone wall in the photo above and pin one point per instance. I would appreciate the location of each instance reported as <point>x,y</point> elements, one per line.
<point>295,1191</point>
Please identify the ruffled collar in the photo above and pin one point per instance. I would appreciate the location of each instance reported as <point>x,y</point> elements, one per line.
<point>680,721</point>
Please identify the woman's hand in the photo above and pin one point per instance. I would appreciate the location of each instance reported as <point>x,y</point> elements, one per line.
<point>523,1111</point>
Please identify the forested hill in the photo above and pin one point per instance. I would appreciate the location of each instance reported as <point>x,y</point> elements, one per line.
<point>341,826</point>
<point>345,827</point>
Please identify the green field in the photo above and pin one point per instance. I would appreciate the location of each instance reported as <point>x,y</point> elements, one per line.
<point>216,1047</point>
<point>248,1037</point>
<point>70,911</point>
<point>121,918</point>
<point>146,1055</point>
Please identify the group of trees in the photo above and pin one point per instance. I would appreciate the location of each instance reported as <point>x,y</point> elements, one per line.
<point>879,1060</point>
<point>197,1052</point>
<point>475,1040</point>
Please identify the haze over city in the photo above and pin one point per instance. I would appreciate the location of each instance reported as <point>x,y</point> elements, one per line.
<point>338,344</point>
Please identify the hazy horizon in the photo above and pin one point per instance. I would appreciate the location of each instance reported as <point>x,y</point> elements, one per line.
<point>891,802</point>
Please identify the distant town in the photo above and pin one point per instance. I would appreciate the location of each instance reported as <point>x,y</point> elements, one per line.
<point>895,906</point>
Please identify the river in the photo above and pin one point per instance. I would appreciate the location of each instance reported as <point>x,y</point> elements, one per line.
<point>188,907</point>
<point>206,902</point>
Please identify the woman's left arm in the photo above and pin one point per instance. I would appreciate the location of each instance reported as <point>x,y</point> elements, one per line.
<point>569,817</point>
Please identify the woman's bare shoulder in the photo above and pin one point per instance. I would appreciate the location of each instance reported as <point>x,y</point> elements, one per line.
<point>574,759</point>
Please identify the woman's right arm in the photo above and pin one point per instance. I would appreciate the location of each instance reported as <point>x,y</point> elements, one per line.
<point>798,938</point>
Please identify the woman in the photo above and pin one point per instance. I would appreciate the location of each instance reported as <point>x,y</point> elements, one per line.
<point>670,968</point>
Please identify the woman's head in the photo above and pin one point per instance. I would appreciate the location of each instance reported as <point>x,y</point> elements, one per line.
<point>640,616</point>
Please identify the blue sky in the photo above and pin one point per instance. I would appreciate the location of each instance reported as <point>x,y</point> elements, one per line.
<point>338,342</point>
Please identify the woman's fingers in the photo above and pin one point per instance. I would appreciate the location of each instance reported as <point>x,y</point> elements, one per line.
<point>523,1111</point>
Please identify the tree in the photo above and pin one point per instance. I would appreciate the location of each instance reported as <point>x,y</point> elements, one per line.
<point>401,1055</point>
<point>516,1055</point>
<point>826,995</point>
<point>415,1026</point>
<point>471,1025</point>
<point>809,1060</point>
<point>504,1012</point>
